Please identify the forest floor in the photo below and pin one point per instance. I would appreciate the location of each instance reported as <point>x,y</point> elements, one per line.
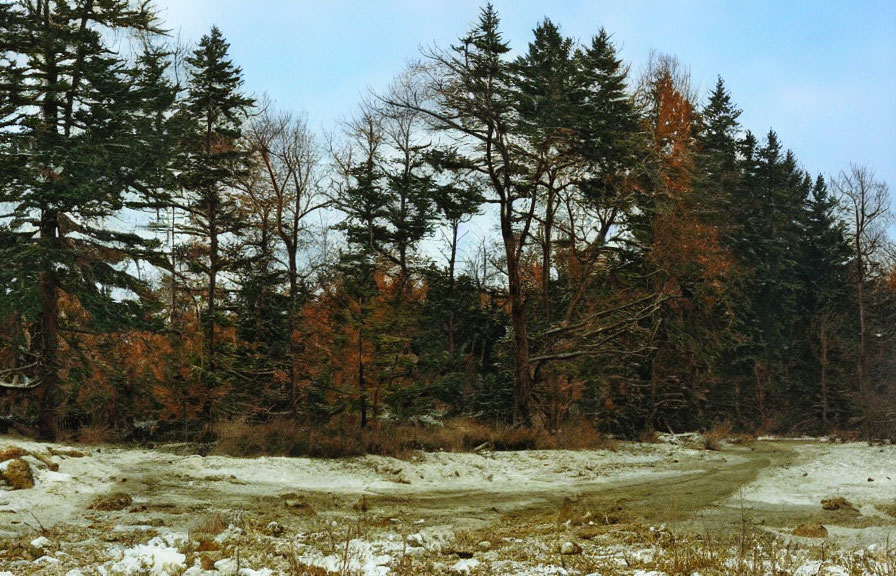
<point>669,507</point>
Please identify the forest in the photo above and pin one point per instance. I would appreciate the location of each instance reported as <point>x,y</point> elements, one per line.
<point>178,257</point>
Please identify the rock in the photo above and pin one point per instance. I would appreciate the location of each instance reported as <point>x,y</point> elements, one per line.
<point>47,460</point>
<point>67,452</point>
<point>39,546</point>
<point>570,548</point>
<point>17,474</point>
<point>484,545</point>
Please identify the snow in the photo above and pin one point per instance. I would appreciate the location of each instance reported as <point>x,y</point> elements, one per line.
<point>176,482</point>
<point>464,565</point>
<point>826,470</point>
<point>158,557</point>
<point>818,568</point>
<point>357,557</point>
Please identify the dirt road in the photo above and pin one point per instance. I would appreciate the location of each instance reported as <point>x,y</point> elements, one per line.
<point>434,510</point>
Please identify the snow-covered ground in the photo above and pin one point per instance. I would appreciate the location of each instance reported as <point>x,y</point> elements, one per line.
<point>530,513</point>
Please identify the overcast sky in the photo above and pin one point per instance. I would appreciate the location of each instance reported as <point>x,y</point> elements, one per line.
<point>822,73</point>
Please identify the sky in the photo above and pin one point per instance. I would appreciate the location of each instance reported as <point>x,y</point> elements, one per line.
<point>821,73</point>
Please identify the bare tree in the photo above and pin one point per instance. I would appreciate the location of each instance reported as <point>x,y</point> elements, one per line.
<point>866,203</point>
<point>289,161</point>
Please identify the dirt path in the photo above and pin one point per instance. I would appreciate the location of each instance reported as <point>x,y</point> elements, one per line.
<point>524,505</point>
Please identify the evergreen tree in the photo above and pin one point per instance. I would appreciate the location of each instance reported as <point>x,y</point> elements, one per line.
<point>79,145</point>
<point>824,278</point>
<point>211,162</point>
<point>544,88</point>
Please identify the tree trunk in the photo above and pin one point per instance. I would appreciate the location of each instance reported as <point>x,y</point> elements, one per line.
<point>522,380</point>
<point>451,286</point>
<point>824,379</point>
<point>293,349</point>
<point>861,368</point>
<point>49,338</point>
<point>362,387</point>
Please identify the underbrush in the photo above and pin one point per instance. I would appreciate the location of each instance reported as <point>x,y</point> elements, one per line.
<point>339,439</point>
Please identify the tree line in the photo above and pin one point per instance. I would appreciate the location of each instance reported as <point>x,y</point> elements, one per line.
<point>174,250</point>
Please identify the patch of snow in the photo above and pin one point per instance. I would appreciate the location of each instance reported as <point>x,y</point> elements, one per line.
<point>464,565</point>
<point>544,570</point>
<point>827,470</point>
<point>156,556</point>
<point>358,557</point>
<point>50,476</point>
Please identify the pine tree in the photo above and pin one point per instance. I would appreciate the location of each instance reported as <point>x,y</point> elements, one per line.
<point>79,145</point>
<point>544,89</point>
<point>211,162</point>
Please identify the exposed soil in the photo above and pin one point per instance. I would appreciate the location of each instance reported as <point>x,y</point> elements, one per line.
<point>519,509</point>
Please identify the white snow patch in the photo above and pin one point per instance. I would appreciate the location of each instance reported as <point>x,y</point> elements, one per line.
<point>464,565</point>
<point>827,470</point>
<point>50,476</point>
<point>157,557</point>
<point>817,568</point>
<point>358,557</point>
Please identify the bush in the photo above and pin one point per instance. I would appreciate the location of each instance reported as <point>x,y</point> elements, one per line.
<point>713,438</point>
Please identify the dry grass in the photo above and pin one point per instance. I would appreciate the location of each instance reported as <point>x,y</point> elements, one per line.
<point>11,453</point>
<point>96,434</point>
<point>210,524</point>
<point>17,475</point>
<point>713,438</point>
<point>340,439</point>
<point>810,531</point>
<point>838,503</point>
<point>111,502</point>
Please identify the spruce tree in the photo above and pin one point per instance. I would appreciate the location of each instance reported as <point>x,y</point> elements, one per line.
<point>211,161</point>
<point>77,148</point>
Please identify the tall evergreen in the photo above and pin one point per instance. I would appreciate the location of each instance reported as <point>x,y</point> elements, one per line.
<point>76,151</point>
<point>211,162</point>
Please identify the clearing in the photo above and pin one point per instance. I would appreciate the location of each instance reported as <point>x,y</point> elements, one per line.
<point>669,507</point>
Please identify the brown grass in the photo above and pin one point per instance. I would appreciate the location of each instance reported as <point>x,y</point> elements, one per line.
<point>96,434</point>
<point>810,531</point>
<point>713,438</point>
<point>213,524</point>
<point>342,438</point>
<point>111,502</point>
<point>11,453</point>
<point>18,475</point>
<point>838,503</point>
